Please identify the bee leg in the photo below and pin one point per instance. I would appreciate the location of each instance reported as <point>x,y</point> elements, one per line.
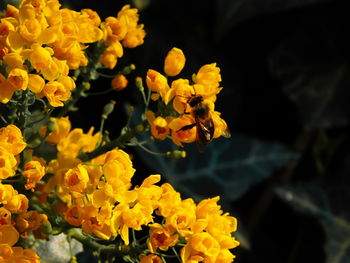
<point>187,127</point>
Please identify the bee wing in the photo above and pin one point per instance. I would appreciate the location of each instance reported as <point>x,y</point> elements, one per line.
<point>226,133</point>
<point>205,131</point>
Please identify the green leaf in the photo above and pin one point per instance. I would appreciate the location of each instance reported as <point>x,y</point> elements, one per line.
<point>319,92</point>
<point>57,249</point>
<point>312,200</point>
<point>227,167</point>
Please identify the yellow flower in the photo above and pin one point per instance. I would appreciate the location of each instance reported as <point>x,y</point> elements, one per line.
<point>149,191</point>
<point>201,245</point>
<point>183,217</point>
<point>13,60</point>
<point>220,126</point>
<point>161,237</point>
<point>17,254</point>
<point>11,11</point>
<point>56,93</point>
<point>208,207</point>
<point>30,220</point>
<point>7,164</point>
<point>33,171</point>
<point>156,81</point>
<point>118,165</point>
<point>179,136</point>
<point>6,193</point>
<point>62,129</point>
<point>67,81</point>
<point>18,79</point>
<point>134,38</point>
<point>159,125</point>
<point>35,83</point>
<point>5,216</point>
<point>55,69</point>
<point>74,215</point>
<point>77,179</point>
<point>151,258</point>
<point>77,141</point>
<point>6,90</point>
<point>174,62</point>
<point>11,139</point>
<point>225,256</point>
<point>18,203</point>
<point>169,200</point>
<point>97,221</point>
<point>119,82</point>
<point>181,91</point>
<point>111,54</point>
<point>95,19</point>
<point>114,29</point>
<point>40,58</point>
<point>30,29</point>
<point>8,235</point>
<point>125,217</point>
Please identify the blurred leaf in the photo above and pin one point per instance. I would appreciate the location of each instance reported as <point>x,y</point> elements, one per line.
<point>312,200</point>
<point>57,249</point>
<point>231,13</point>
<point>227,167</point>
<point>319,90</point>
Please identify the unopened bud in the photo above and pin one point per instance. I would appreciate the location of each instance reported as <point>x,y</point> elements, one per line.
<point>139,128</point>
<point>176,154</point>
<point>108,109</point>
<point>139,84</point>
<point>86,85</point>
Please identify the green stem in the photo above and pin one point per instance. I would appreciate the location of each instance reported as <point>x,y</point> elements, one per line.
<point>100,92</point>
<point>120,142</point>
<point>70,103</point>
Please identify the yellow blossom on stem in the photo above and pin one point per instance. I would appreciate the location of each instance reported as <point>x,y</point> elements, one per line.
<point>76,179</point>
<point>151,258</point>
<point>11,139</point>
<point>5,216</point>
<point>161,237</point>
<point>8,235</point>
<point>18,79</point>
<point>40,58</point>
<point>179,136</point>
<point>17,204</point>
<point>30,221</point>
<point>174,62</point>
<point>7,163</point>
<point>157,82</point>
<point>6,91</point>
<point>35,83</point>
<point>56,93</point>
<point>62,128</point>
<point>33,171</point>
<point>159,126</point>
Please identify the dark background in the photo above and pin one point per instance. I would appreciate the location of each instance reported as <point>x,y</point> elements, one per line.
<point>285,72</point>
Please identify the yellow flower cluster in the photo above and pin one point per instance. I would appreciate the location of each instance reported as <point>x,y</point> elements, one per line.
<point>98,196</point>
<point>120,31</point>
<point>53,40</point>
<point>204,227</point>
<point>11,202</point>
<point>193,117</point>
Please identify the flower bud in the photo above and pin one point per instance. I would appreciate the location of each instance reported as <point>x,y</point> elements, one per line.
<point>174,62</point>
<point>119,82</point>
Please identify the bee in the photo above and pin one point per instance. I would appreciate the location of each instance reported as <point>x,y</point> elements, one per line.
<point>203,121</point>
